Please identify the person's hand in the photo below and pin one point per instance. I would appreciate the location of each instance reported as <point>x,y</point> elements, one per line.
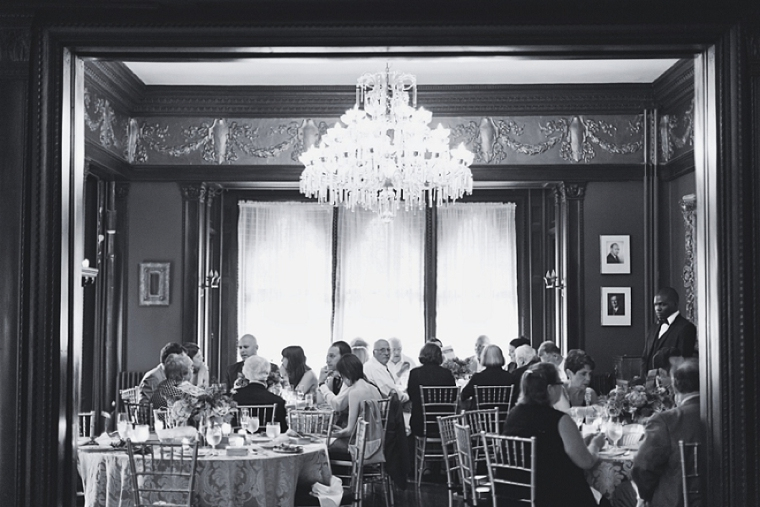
<point>323,374</point>
<point>404,367</point>
<point>598,440</point>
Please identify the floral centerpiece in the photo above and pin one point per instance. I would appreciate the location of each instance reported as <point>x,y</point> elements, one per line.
<point>458,367</point>
<point>201,406</point>
<point>636,404</point>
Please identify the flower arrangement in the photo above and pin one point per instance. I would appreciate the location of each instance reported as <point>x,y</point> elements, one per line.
<point>202,405</point>
<point>458,367</point>
<point>637,403</point>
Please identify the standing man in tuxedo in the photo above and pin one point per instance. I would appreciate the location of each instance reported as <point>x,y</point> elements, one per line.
<point>671,330</point>
<point>247,346</point>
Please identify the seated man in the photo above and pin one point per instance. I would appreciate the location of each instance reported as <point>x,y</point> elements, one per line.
<point>247,346</point>
<point>548,352</point>
<point>578,367</point>
<point>525,356</point>
<point>657,465</point>
<point>178,369</point>
<point>152,378</point>
<point>400,364</point>
<point>256,370</point>
<point>377,372</point>
<point>513,345</point>
<point>474,362</point>
<point>331,390</point>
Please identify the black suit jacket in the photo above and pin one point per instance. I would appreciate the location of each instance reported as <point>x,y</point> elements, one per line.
<point>611,259</point>
<point>425,375</point>
<point>682,334</point>
<point>233,372</point>
<point>256,394</point>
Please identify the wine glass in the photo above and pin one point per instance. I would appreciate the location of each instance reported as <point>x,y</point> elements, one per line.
<point>213,435</point>
<point>614,432</point>
<point>253,424</point>
<point>123,425</point>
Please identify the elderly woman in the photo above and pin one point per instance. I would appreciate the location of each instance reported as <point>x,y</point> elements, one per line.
<point>431,373</point>
<point>358,389</point>
<point>561,454</point>
<point>178,369</point>
<point>579,366</point>
<point>256,369</point>
<point>493,374</point>
<point>300,377</point>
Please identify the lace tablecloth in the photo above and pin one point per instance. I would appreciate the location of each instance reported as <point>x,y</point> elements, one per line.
<point>266,479</point>
<point>609,472</point>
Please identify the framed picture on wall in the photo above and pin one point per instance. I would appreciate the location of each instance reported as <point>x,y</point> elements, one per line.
<point>154,283</point>
<point>616,306</point>
<point>615,254</point>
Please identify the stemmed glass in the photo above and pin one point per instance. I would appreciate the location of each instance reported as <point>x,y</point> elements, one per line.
<point>614,431</point>
<point>213,436</point>
<point>253,424</point>
<point>123,425</point>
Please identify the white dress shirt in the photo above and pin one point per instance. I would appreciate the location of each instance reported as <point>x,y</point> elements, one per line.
<point>403,379</point>
<point>338,402</point>
<point>380,375</point>
<point>664,327</point>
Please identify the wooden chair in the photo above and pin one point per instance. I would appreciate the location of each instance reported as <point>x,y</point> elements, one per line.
<point>317,423</point>
<point>353,495</point>
<point>632,435</point>
<point>86,425</point>
<point>450,458</point>
<point>436,401</point>
<point>690,472</point>
<point>494,397</point>
<point>511,465</point>
<point>162,474</point>
<point>474,487</point>
<point>265,413</point>
<point>130,394</point>
<point>140,413</point>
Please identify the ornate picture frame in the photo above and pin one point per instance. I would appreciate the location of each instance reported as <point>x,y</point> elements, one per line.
<point>616,306</point>
<point>154,283</point>
<point>615,255</point>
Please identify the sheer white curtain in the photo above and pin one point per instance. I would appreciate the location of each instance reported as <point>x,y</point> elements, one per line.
<point>284,277</point>
<point>477,275</point>
<point>380,278</point>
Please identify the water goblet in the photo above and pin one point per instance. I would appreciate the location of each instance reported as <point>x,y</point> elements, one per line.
<point>614,432</point>
<point>141,433</point>
<point>123,425</point>
<point>273,430</point>
<point>214,435</point>
<point>253,424</point>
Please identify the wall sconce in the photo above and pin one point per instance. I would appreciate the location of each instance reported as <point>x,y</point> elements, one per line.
<point>212,281</point>
<point>88,274</point>
<point>551,281</point>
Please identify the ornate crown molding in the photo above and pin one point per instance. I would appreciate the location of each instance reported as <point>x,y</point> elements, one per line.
<point>116,81</point>
<point>15,44</point>
<point>675,86</point>
<point>671,142</point>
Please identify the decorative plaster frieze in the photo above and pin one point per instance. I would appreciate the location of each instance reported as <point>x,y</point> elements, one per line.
<point>105,126</point>
<point>14,45</point>
<point>670,141</point>
<point>688,205</point>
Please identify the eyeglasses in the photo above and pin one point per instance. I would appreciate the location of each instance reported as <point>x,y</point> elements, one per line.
<point>382,350</point>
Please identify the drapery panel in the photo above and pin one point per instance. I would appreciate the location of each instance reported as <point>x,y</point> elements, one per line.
<point>476,275</point>
<point>285,277</point>
<point>380,278</point>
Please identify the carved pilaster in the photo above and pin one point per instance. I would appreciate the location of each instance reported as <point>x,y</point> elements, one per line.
<point>194,192</point>
<point>573,195</point>
<point>14,45</point>
<point>688,205</point>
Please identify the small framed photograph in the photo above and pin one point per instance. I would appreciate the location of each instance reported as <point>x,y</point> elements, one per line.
<point>616,306</point>
<point>154,283</point>
<point>615,254</point>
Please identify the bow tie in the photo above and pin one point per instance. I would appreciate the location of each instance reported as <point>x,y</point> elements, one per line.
<point>660,322</point>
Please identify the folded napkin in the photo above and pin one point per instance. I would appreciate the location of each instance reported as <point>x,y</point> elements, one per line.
<point>105,439</point>
<point>328,496</point>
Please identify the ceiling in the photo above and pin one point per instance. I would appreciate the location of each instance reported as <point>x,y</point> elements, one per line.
<point>430,70</point>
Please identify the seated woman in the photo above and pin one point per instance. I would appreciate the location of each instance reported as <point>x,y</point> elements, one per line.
<point>300,377</point>
<point>579,366</point>
<point>494,374</point>
<point>200,370</point>
<point>561,455</point>
<point>256,369</point>
<point>178,369</point>
<point>431,373</point>
<point>358,389</point>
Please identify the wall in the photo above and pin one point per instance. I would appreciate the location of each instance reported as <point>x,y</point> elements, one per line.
<point>155,235</point>
<point>613,208</point>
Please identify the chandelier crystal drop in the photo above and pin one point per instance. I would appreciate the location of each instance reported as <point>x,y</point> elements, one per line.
<point>383,152</point>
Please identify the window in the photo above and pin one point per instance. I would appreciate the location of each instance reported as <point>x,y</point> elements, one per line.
<point>307,278</point>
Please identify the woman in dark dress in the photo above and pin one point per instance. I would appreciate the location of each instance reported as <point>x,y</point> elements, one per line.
<point>493,374</point>
<point>431,373</point>
<point>561,455</point>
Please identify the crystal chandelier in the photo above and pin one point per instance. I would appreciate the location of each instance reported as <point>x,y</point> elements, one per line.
<point>385,153</point>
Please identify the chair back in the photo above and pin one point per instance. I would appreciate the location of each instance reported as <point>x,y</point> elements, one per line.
<point>632,435</point>
<point>265,413</point>
<point>481,420</point>
<point>690,472</point>
<point>140,413</point>
<point>494,396</point>
<point>437,401</point>
<point>449,445</point>
<point>162,474</point>
<point>86,423</point>
<point>316,423</point>
<point>357,467</point>
<point>130,394</point>
<point>511,465</point>
<point>466,462</point>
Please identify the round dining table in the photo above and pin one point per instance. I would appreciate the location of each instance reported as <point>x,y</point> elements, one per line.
<point>263,478</point>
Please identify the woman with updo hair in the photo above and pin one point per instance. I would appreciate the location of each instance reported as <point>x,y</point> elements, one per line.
<point>431,373</point>
<point>561,454</point>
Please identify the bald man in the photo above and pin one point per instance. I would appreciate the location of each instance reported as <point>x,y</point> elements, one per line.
<point>473,362</point>
<point>376,370</point>
<point>247,346</point>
